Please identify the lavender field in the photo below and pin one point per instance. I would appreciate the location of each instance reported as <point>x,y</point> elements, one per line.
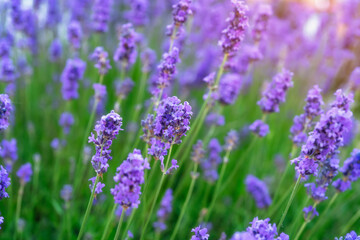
<point>180,119</point>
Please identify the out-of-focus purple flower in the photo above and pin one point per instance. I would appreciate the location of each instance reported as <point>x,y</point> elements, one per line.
<point>101,15</point>
<point>8,72</point>
<point>55,50</point>
<point>310,212</point>
<point>240,64</point>
<point>200,233</point>
<point>231,141</point>
<point>234,33</point>
<point>171,169</point>
<point>242,236</point>
<point>229,88</point>
<point>138,12</point>
<point>75,34</point>
<point>148,58</point>
<point>211,163</point>
<point>8,152</point>
<point>106,130</point>
<point>66,121</point>
<point>66,193</point>
<point>73,72</point>
<point>349,236</point>
<point>355,78</point>
<point>16,14</point>
<point>100,57</point>
<point>5,111</point>
<point>100,92</point>
<point>124,88</point>
<point>128,178</point>
<point>262,229</point>
<point>259,128</point>
<point>5,48</point>
<point>181,10</point>
<point>164,211</point>
<point>350,172</point>
<point>99,186</point>
<point>215,119</point>
<point>263,13</point>
<point>53,16</point>
<point>24,173</point>
<point>126,50</point>
<point>275,93</point>
<point>198,152</point>
<point>259,191</point>
<point>5,182</point>
<point>1,221</point>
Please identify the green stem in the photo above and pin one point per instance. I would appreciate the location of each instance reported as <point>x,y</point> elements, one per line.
<point>110,218</point>
<point>91,200</point>
<point>172,38</point>
<point>119,224</point>
<point>351,222</point>
<point>184,208</point>
<point>18,206</point>
<point>129,222</point>
<point>301,230</point>
<point>68,221</point>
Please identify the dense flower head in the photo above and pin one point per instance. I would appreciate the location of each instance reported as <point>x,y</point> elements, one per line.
<point>164,211</point>
<point>25,172</point>
<point>128,178</point>
<point>310,212</point>
<point>275,92</point>
<point>211,163</point>
<point>98,188</point>
<point>8,152</point>
<point>126,50</point>
<point>263,229</point>
<point>263,13</point>
<point>200,233</point>
<point>229,88</point>
<point>231,140</point>
<point>350,172</point>
<point>181,10</point>
<point>198,152</point>
<point>101,15</point>
<point>5,111</point>
<point>349,236</point>
<point>4,182</point>
<point>75,34</point>
<point>124,87</point>
<point>259,191</point>
<point>259,128</point>
<point>101,59</point>
<point>66,192</point>
<point>72,73</point>
<point>8,71</point>
<point>55,50</point>
<point>107,128</point>
<point>234,33</point>
<point>66,121</point>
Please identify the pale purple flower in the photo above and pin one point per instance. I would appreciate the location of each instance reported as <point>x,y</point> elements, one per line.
<point>25,172</point>
<point>124,87</point>
<point>101,59</point>
<point>200,233</point>
<point>148,58</point>
<point>75,34</point>
<point>99,186</point>
<point>138,12</point>
<point>1,221</point>
<point>8,153</point>
<point>181,10</point>
<point>8,72</point>
<point>5,182</point>
<point>229,88</point>
<point>55,50</point>
<point>263,229</point>
<point>349,236</point>
<point>53,15</point>
<point>5,111</point>
<point>211,163</point>
<point>310,212</point>
<point>101,15</point>
<point>242,236</point>
<point>350,172</point>
<point>66,192</point>
<point>198,153</point>
<point>262,15</point>
<point>164,211</point>
<point>100,92</point>
<point>215,119</point>
<point>126,50</point>
<point>259,191</point>
<point>259,128</point>
<point>66,121</point>
<point>72,73</point>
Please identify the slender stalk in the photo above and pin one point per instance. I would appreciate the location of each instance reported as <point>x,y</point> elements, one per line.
<point>351,222</point>
<point>68,221</point>
<point>129,222</point>
<point>109,220</point>
<point>289,202</point>
<point>184,208</point>
<point>172,38</point>
<point>301,230</point>
<point>119,224</point>
<point>91,200</point>
<point>18,206</point>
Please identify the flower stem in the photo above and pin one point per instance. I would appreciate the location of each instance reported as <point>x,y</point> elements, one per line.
<point>91,200</point>
<point>351,223</point>
<point>289,202</point>
<point>18,206</point>
<point>119,224</point>
<point>301,230</point>
<point>172,38</point>
<point>184,208</point>
<point>109,220</point>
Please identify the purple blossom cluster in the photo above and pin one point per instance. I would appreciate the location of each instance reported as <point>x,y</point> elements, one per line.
<point>100,92</point>
<point>107,128</point>
<point>8,72</point>
<point>100,57</point>
<point>215,119</point>
<point>24,173</point>
<point>264,12</point>
<point>138,13</point>
<point>211,163</point>
<point>258,190</point>
<point>8,153</point>
<point>349,236</point>
<point>263,229</point>
<point>5,182</point>
<point>101,15</point>
<point>55,50</point>
<point>72,73</point>
<point>66,121</point>
<point>124,88</point>
<point>229,88</point>
<point>231,140</point>
<point>310,212</point>
<point>198,152</point>
<point>259,128</point>
<point>350,172</point>
<point>75,34</point>
<point>164,211</point>
<point>126,50</point>
<point>200,233</point>
<point>128,178</point>
<point>181,10</point>
<point>66,192</point>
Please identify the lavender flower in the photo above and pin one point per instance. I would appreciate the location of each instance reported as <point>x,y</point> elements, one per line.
<point>106,130</point>
<point>349,236</point>
<point>1,221</point>
<point>215,119</point>
<point>5,48</point>
<point>259,191</point>
<point>259,128</point>
<point>350,172</point>
<point>53,16</point>
<point>354,78</point>
<point>100,92</point>
<point>66,121</point>
<point>198,152</point>
<point>5,182</point>
<point>5,111</point>
<point>148,58</point>
<point>264,12</point>
<point>229,88</point>
<point>24,173</point>
<point>126,51</point>
<point>164,211</point>
<point>128,178</point>
<point>55,50</point>
<point>181,10</point>
<point>210,165</point>
<point>99,186</point>
<point>200,233</point>
<point>276,92</point>
<point>138,12</point>
<point>75,34</point>
<point>242,236</point>
<point>231,140</point>
<point>101,15</point>
<point>100,57</point>
<point>309,213</point>
<point>262,229</point>
<point>73,72</point>
<point>8,152</point>
<point>66,193</point>
<point>234,33</point>
<point>124,88</point>
<point>7,71</point>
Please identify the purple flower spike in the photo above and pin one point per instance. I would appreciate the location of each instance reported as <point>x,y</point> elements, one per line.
<point>66,121</point>
<point>73,72</point>
<point>181,10</point>
<point>215,119</point>
<point>1,221</point>
<point>66,193</point>
<point>7,71</point>
<point>211,163</point>
<point>55,50</point>
<point>200,233</point>
<point>229,88</point>
<point>101,59</point>
<point>107,128</point>
<point>75,34</point>
<point>128,178</point>
<point>5,182</point>
<point>231,140</point>
<point>309,213</point>
<point>138,12</point>
<point>164,211</point>
<point>259,128</point>
<point>101,15</point>
<point>25,172</point>
<point>350,171</point>
<point>264,12</point>
<point>5,111</point>
<point>124,88</point>
<point>99,186</point>
<point>263,229</point>
<point>126,51</point>
<point>198,152</point>
<point>349,236</point>
<point>8,152</point>
<point>259,191</point>
<point>354,78</point>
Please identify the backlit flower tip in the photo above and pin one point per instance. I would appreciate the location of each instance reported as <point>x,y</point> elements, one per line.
<point>100,91</point>
<point>128,178</point>
<point>354,78</point>
<point>164,211</point>
<point>74,32</point>
<point>275,92</point>
<point>66,121</point>
<point>350,172</point>
<point>259,128</point>
<point>73,72</point>
<point>309,213</point>
<point>8,153</point>
<point>198,152</point>
<point>101,59</point>
<point>181,10</point>
<point>25,172</point>
<point>5,182</point>
<point>148,59</point>
<point>126,50</point>
<point>124,87</point>
<point>55,50</point>
<point>99,186</point>
<point>215,119</point>
<point>258,190</point>
<point>167,68</point>
<point>314,102</point>
<point>200,233</point>
<point>263,13</point>
<point>234,33</point>
<point>66,192</point>
<point>8,71</point>
<point>5,111</point>
<point>107,128</point>
<point>171,169</point>
<point>229,88</point>
<point>231,140</point>
<point>349,236</point>
<point>101,15</point>
<point>211,163</point>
